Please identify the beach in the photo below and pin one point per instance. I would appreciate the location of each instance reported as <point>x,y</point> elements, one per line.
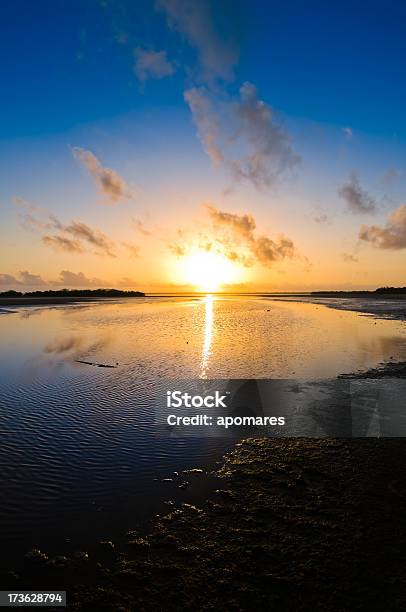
<point>119,516</point>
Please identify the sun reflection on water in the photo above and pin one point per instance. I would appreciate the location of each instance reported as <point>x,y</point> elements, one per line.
<point>208,334</point>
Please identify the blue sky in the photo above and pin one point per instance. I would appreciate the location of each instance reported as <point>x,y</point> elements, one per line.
<point>185,129</point>
<point>336,62</point>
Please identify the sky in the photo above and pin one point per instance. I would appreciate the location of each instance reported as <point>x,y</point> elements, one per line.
<point>171,145</point>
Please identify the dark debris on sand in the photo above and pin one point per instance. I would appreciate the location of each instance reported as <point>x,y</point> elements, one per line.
<point>389,369</point>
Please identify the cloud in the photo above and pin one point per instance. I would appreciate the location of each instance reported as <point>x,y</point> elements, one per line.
<point>243,135</point>
<point>66,278</point>
<point>217,51</point>
<point>24,278</point>
<point>240,243</point>
<point>268,251</point>
<point>349,132</point>
<point>77,279</point>
<point>349,258</point>
<point>31,279</point>
<point>27,217</point>
<point>139,226</point>
<point>7,280</point>
<point>392,236</point>
<point>234,236</point>
<point>107,180</point>
<point>151,64</point>
<point>74,237</point>
<point>132,250</point>
<point>356,198</point>
<point>81,233</point>
<point>321,218</point>
<point>390,176</point>
<point>127,282</point>
<point>26,205</point>
<point>93,237</point>
<point>61,243</point>
<point>242,225</point>
<point>207,122</point>
<point>177,249</point>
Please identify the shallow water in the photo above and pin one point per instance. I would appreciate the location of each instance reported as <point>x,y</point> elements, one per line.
<point>79,452</point>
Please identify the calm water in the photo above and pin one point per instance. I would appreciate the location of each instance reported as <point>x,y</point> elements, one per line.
<point>79,454</point>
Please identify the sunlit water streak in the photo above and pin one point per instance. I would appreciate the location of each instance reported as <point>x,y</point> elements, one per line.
<point>79,450</point>
<point>208,332</point>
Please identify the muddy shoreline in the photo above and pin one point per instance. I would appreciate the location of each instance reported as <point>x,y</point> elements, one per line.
<point>378,306</point>
<point>48,301</point>
<point>293,525</point>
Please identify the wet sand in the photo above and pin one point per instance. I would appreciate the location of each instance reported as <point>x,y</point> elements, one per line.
<point>44,301</point>
<point>380,306</point>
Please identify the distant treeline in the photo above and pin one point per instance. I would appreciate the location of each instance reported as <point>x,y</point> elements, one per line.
<point>74,293</point>
<point>380,290</point>
<point>391,290</point>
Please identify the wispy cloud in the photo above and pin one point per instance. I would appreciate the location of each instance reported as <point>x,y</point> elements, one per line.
<point>84,237</point>
<point>390,176</point>
<point>28,213</point>
<point>357,199</point>
<point>140,227</point>
<point>240,133</point>
<point>73,237</point>
<point>126,282</point>
<point>217,51</point>
<point>321,218</point>
<point>61,243</point>
<point>391,236</point>
<point>349,258</point>
<point>93,237</point>
<point>26,205</point>
<point>348,132</point>
<point>151,64</point>
<point>132,250</point>
<point>108,181</point>
<point>178,250</point>
<point>244,135</point>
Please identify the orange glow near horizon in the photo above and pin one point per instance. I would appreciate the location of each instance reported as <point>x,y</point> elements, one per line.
<point>208,271</point>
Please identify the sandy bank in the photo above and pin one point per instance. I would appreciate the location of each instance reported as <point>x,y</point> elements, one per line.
<point>44,301</point>
<point>387,307</point>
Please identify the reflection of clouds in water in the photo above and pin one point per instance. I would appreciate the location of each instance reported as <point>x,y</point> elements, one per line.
<point>30,312</point>
<point>208,333</point>
<point>66,309</point>
<point>393,345</point>
<point>74,347</point>
<point>60,352</point>
<point>382,348</point>
<point>72,309</point>
<point>62,345</point>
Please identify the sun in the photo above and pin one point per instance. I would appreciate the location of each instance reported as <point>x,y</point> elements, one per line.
<point>208,271</point>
